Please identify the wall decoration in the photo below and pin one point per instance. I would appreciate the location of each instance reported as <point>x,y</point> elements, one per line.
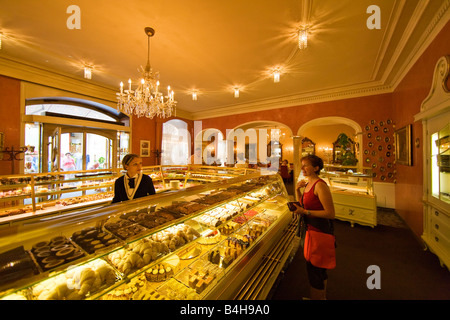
<point>145,149</point>
<point>403,146</point>
<point>378,148</point>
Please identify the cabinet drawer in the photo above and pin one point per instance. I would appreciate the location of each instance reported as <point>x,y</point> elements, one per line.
<point>354,213</point>
<point>439,216</point>
<point>439,239</point>
<point>439,225</point>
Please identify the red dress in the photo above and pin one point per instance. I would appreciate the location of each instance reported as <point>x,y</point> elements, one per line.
<point>312,202</point>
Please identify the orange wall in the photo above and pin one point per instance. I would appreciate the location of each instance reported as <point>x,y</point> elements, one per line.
<point>361,110</point>
<point>9,119</point>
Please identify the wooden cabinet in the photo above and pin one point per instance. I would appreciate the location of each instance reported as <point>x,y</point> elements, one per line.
<point>435,118</point>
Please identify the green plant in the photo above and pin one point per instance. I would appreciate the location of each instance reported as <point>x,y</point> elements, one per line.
<point>346,157</point>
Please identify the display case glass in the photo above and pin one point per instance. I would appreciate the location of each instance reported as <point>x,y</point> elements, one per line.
<point>178,245</point>
<point>347,179</point>
<point>31,195</point>
<point>440,164</point>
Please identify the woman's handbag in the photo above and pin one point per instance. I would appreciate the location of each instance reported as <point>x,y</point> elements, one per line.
<point>320,248</point>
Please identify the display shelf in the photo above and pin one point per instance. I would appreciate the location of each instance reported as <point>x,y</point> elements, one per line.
<point>169,224</point>
<point>353,196</point>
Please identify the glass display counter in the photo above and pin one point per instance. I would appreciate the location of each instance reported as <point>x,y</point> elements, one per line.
<point>352,192</point>
<point>30,195</point>
<point>186,244</point>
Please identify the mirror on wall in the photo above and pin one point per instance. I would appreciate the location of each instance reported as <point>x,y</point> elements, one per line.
<point>308,147</point>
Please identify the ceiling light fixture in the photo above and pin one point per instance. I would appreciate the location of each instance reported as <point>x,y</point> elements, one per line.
<point>303,38</point>
<point>147,100</point>
<point>276,75</point>
<point>87,72</point>
<point>194,95</point>
<point>236,92</point>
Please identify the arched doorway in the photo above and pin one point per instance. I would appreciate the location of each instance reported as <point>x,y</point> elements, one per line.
<point>176,143</point>
<point>278,140</point>
<point>324,131</point>
<point>92,135</point>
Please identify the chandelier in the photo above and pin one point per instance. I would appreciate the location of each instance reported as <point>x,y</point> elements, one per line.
<point>147,100</point>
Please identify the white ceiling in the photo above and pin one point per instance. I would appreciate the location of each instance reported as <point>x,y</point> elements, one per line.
<point>213,45</point>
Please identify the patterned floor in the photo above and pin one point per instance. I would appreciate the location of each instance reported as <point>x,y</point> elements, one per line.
<point>388,217</point>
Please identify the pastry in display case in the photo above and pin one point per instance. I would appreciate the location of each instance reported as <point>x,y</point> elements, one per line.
<point>150,248</point>
<point>352,192</point>
<point>24,197</point>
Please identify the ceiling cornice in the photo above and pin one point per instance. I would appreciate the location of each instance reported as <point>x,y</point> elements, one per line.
<point>296,100</point>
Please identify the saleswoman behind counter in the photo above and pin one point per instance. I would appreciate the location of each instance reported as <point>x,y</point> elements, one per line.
<point>133,184</point>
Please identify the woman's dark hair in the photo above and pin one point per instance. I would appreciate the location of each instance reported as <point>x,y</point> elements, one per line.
<point>315,161</point>
<point>128,158</point>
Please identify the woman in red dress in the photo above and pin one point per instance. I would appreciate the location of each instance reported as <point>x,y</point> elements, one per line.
<point>318,210</point>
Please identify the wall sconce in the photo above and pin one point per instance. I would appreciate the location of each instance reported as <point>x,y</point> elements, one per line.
<point>236,92</point>
<point>194,95</point>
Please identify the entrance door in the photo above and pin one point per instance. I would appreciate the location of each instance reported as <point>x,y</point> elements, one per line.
<point>87,148</point>
<point>54,150</point>
<point>98,151</point>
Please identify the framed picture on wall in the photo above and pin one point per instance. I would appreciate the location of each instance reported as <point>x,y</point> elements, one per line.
<point>403,146</point>
<point>145,148</point>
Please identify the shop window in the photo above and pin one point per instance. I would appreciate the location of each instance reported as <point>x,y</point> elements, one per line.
<point>67,110</point>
